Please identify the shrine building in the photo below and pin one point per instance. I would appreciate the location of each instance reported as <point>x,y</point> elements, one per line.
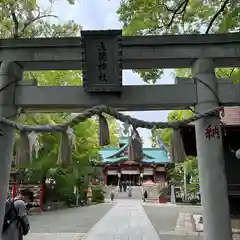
<point>118,167</point>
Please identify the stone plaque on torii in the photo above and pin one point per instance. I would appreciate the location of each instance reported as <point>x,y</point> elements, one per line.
<point>103,85</point>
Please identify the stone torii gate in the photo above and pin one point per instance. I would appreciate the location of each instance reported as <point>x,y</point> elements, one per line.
<point>102,55</point>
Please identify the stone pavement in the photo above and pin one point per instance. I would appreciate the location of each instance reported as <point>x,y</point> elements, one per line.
<point>124,220</point>
<point>199,227</point>
<point>168,221</point>
<point>54,236</point>
<point>66,224</point>
<point>136,192</point>
<point>127,220</point>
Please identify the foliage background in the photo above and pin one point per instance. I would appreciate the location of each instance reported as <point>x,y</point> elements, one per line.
<point>26,19</point>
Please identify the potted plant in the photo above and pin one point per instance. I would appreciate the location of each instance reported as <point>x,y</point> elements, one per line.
<point>163,195</point>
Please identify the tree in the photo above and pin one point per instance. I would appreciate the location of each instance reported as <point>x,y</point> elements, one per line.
<point>25,19</point>
<point>178,17</point>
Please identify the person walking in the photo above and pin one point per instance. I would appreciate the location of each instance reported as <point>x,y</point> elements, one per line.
<point>16,223</point>
<point>124,186</point>
<point>145,195</point>
<point>130,191</point>
<point>112,195</point>
<point>120,186</point>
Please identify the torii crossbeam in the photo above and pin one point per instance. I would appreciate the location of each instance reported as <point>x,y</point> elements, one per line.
<point>156,97</point>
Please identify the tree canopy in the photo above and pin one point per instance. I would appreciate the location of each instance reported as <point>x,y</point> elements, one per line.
<point>26,19</point>
<point>179,17</point>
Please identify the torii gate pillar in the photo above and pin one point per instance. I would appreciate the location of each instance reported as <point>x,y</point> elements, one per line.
<point>10,74</point>
<point>213,185</point>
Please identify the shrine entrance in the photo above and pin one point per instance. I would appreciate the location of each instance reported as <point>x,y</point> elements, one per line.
<point>101,55</point>
<point>133,179</point>
<point>112,180</point>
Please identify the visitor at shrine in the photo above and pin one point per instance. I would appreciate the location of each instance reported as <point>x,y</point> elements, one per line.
<point>124,186</point>
<point>112,195</point>
<point>130,191</point>
<point>16,224</point>
<point>145,196</point>
<point>120,187</point>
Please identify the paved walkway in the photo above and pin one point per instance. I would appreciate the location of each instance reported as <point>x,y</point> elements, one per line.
<point>66,224</point>
<point>127,220</point>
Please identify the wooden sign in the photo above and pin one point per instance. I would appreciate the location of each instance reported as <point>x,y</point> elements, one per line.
<point>102,61</point>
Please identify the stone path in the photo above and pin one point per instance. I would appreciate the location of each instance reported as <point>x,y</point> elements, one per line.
<point>54,236</point>
<point>166,221</point>
<point>199,227</point>
<point>66,224</point>
<point>127,220</point>
<point>136,192</point>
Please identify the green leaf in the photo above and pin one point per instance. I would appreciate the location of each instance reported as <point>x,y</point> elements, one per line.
<point>33,22</point>
<point>158,18</point>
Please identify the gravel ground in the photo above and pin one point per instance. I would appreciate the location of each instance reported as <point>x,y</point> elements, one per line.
<point>164,221</point>
<point>66,224</point>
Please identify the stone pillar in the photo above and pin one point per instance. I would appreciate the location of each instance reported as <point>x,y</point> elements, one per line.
<point>10,73</point>
<point>173,194</point>
<point>119,174</point>
<point>213,186</point>
<point>105,175</point>
<point>154,174</point>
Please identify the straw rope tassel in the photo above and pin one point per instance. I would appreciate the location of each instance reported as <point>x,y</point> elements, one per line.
<point>104,136</point>
<point>135,150</point>
<point>177,150</point>
<point>65,150</point>
<point>23,156</point>
<point>131,156</point>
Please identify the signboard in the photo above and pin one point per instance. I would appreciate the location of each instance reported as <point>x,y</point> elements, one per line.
<point>130,172</point>
<point>160,169</point>
<point>147,171</point>
<point>102,61</point>
<point>112,172</point>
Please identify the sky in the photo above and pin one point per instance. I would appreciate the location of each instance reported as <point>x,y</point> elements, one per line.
<point>101,15</point>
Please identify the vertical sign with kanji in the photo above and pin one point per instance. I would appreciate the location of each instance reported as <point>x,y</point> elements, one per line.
<point>102,61</point>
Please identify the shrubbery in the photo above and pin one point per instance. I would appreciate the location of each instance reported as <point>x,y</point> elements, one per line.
<point>98,194</point>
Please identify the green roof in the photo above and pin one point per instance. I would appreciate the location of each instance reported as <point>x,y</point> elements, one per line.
<point>151,155</point>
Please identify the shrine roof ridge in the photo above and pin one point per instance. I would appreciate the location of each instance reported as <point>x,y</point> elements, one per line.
<point>156,155</point>
<point>160,156</point>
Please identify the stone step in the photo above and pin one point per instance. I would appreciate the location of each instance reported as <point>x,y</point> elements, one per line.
<point>185,223</point>
<point>136,192</point>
